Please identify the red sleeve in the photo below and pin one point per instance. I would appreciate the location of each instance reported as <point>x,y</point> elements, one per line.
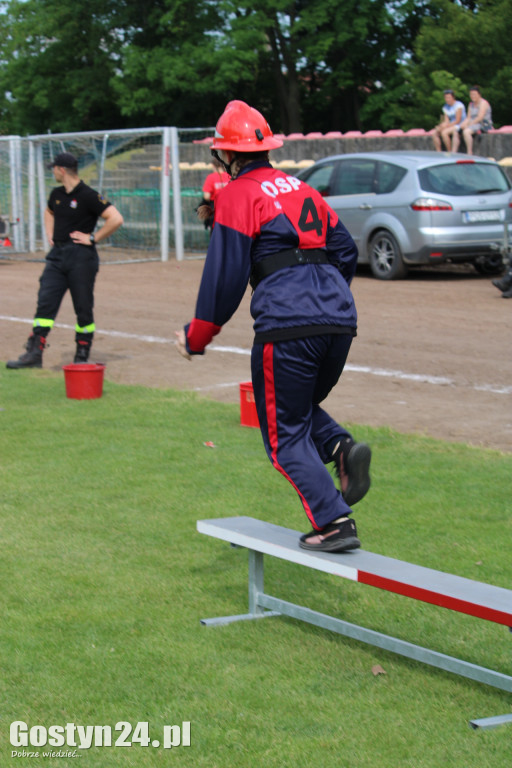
<point>198,334</point>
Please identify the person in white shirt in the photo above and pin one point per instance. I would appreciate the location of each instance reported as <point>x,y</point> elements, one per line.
<point>454,112</point>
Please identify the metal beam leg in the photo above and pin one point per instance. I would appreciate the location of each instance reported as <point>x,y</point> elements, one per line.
<point>401,647</point>
<point>262,605</point>
<point>255,592</point>
<point>255,581</point>
<point>491,722</point>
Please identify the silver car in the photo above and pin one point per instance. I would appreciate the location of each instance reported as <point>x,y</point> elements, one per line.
<point>404,209</point>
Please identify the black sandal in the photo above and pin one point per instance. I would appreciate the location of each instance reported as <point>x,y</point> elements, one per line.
<point>337,536</point>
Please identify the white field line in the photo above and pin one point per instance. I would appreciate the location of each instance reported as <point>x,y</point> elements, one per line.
<point>388,373</point>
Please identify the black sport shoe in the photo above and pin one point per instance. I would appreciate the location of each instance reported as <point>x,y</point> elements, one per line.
<point>507,294</point>
<point>357,467</point>
<point>352,462</point>
<point>338,536</point>
<point>503,283</point>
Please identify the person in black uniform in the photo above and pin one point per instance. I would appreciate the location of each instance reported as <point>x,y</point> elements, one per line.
<point>70,219</point>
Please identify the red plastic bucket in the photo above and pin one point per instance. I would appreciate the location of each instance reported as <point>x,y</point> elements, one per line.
<point>84,381</point>
<point>248,414</point>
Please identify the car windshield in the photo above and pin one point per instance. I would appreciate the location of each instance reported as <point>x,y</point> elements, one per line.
<point>464,178</point>
<point>319,178</point>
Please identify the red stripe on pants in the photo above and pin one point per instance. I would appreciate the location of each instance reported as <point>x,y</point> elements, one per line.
<point>271,411</point>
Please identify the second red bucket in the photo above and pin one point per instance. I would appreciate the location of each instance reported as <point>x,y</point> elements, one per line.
<point>248,414</point>
<point>84,381</point>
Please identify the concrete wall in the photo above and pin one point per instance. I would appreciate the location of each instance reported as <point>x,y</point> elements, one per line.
<point>497,144</point>
<point>294,154</point>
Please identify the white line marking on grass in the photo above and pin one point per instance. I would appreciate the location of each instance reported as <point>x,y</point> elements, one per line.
<point>233,350</point>
<point>424,378</point>
<point>117,334</point>
<point>217,386</point>
<point>392,374</point>
<point>491,388</point>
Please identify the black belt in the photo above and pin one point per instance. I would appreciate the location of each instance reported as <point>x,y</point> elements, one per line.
<point>282,259</point>
<point>61,243</point>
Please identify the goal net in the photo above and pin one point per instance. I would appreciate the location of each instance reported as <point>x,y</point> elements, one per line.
<point>153,176</point>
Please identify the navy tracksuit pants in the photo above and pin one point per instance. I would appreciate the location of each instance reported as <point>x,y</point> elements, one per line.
<point>290,379</point>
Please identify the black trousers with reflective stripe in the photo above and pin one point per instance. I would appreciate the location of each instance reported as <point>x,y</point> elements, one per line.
<point>74,267</point>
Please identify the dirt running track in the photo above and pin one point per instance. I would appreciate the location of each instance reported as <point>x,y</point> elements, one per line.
<point>433,353</point>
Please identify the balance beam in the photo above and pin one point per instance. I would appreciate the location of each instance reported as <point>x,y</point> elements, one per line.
<point>456,593</point>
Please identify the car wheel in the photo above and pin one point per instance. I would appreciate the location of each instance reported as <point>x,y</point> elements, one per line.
<point>489,265</point>
<point>386,259</point>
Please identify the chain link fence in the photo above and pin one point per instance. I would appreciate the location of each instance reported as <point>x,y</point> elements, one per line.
<point>153,176</point>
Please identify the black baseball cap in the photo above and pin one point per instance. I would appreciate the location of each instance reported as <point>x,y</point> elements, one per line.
<point>64,160</point>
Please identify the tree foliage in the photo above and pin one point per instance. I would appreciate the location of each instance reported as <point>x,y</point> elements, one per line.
<point>459,44</point>
<point>57,60</point>
<point>474,44</point>
<point>309,65</point>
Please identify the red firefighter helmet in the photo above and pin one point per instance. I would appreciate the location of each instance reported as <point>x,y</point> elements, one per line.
<point>243,129</point>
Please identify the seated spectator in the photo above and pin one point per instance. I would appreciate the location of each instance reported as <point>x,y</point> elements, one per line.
<point>454,112</point>
<point>478,120</point>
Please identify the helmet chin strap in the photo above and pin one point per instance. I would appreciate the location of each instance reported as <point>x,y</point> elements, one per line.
<point>227,166</point>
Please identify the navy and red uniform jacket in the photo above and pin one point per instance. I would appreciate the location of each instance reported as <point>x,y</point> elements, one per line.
<point>261,212</point>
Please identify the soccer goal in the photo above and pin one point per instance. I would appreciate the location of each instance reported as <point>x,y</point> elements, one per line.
<point>141,171</point>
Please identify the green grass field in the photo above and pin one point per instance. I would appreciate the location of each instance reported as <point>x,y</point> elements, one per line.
<point>104,579</point>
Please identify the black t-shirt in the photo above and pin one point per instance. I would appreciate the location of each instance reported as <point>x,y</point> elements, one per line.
<point>79,210</point>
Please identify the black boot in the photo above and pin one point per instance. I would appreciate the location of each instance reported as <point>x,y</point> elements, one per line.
<point>82,351</point>
<point>33,357</point>
<point>507,294</point>
<point>504,283</point>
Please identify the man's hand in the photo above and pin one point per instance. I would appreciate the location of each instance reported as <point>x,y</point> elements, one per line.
<point>80,237</point>
<point>181,345</point>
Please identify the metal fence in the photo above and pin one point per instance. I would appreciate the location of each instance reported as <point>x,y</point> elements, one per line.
<point>141,171</point>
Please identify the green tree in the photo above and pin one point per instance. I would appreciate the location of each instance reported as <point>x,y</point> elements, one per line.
<point>324,58</point>
<point>468,42</point>
<point>166,71</point>
<point>353,50</point>
<point>307,64</point>
<point>56,62</point>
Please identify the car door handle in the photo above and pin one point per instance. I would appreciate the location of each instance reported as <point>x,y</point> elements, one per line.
<point>365,206</point>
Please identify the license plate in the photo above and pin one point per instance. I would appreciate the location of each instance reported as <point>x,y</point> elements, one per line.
<point>475,216</point>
